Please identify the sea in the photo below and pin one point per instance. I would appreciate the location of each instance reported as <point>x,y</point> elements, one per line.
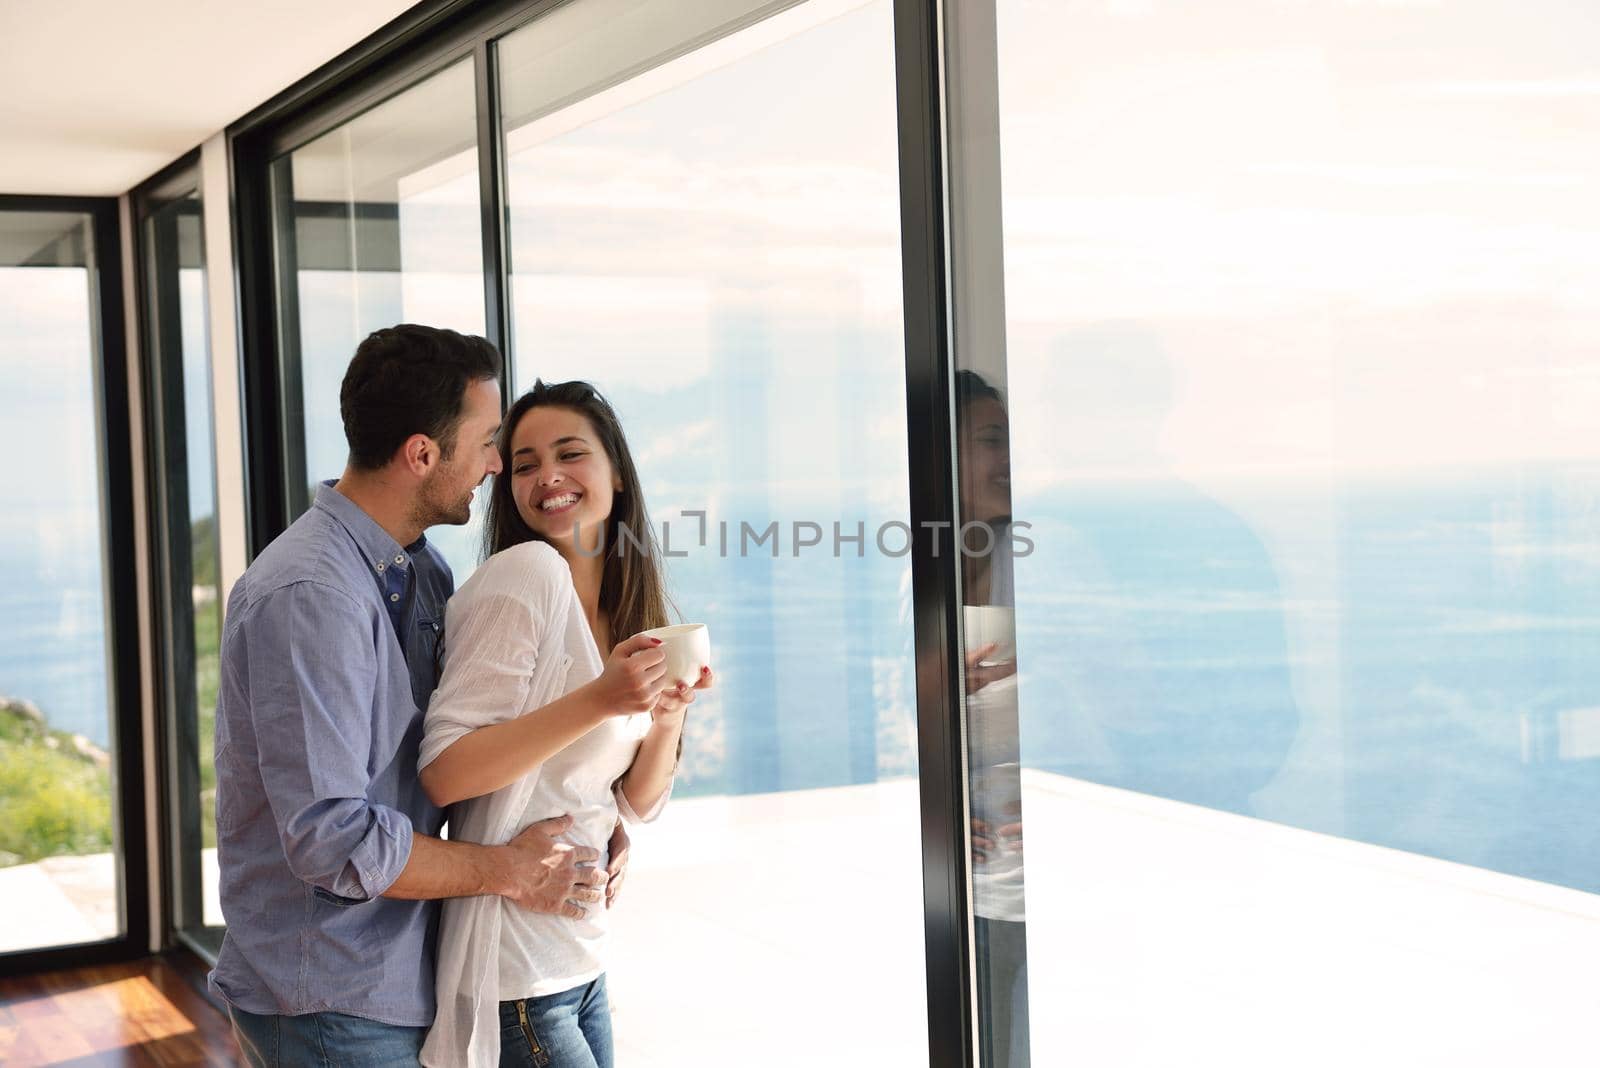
<point>1405,660</point>
<point>53,649</point>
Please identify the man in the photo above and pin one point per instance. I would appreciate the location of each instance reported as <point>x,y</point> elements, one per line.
<point>326,841</point>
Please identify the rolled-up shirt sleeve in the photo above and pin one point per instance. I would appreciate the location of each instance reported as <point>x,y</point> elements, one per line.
<point>312,671</point>
<point>640,725</point>
<point>632,818</point>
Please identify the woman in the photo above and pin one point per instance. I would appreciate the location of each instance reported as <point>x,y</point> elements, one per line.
<point>994,756</point>
<point>532,721</point>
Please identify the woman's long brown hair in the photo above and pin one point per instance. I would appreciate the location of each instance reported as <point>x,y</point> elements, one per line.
<point>632,594</point>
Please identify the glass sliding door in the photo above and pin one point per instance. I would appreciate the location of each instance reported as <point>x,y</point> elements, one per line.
<point>62,854</point>
<point>377,223</point>
<point>717,250</point>
<point>1292,379</point>
<point>183,448</point>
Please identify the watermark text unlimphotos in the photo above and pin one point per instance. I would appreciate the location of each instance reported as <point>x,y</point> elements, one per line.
<point>839,538</point>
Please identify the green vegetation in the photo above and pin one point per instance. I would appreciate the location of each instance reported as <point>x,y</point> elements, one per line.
<point>203,551</point>
<point>55,790</point>
<point>207,673</point>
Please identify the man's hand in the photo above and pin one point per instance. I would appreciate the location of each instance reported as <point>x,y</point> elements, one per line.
<point>545,875</point>
<point>618,867</point>
<point>982,843</point>
<point>989,842</point>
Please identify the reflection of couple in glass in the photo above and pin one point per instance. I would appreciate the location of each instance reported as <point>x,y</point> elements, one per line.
<point>983,447</point>
<point>538,739</point>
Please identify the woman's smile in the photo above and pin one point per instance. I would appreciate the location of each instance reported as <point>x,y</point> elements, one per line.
<point>559,502</point>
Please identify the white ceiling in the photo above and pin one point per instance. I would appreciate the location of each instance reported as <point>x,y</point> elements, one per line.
<point>97,95</point>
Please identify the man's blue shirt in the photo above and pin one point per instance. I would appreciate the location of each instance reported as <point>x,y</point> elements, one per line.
<point>329,654</point>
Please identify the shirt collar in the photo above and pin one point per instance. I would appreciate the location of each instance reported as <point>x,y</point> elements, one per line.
<point>382,552</point>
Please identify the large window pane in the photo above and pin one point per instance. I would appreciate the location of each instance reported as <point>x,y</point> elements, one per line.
<point>1301,314</point>
<point>58,862</point>
<point>718,251</point>
<point>378,223</point>
<point>175,319</point>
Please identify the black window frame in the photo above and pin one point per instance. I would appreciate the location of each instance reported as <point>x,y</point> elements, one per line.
<point>125,681</point>
<point>425,40</point>
<point>171,613</point>
<point>439,32</point>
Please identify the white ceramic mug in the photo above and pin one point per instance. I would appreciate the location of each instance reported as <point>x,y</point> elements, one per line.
<point>688,649</point>
<point>986,623</point>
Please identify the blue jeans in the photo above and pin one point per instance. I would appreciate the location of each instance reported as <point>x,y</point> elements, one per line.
<point>571,1029</point>
<point>324,1040</point>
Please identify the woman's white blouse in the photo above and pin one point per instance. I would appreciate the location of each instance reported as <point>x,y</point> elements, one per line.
<point>516,639</point>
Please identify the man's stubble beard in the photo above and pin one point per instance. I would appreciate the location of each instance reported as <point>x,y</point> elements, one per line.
<point>431,511</point>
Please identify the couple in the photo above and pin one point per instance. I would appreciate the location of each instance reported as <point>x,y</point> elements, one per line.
<point>334,766</point>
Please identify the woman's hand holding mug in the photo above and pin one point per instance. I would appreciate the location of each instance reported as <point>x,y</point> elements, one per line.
<point>634,676</point>
<point>687,647</point>
<point>674,702</point>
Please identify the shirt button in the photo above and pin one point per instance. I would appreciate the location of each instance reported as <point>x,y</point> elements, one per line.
<point>399,559</point>
<point>381,567</point>
<point>394,597</point>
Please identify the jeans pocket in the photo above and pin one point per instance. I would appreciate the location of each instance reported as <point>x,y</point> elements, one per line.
<point>258,1037</point>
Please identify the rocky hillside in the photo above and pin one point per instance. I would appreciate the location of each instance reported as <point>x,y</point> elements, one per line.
<point>55,789</point>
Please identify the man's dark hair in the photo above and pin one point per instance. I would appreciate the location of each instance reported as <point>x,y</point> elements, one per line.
<point>406,380</point>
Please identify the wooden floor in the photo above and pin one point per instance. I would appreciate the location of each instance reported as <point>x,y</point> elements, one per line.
<point>144,1013</point>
